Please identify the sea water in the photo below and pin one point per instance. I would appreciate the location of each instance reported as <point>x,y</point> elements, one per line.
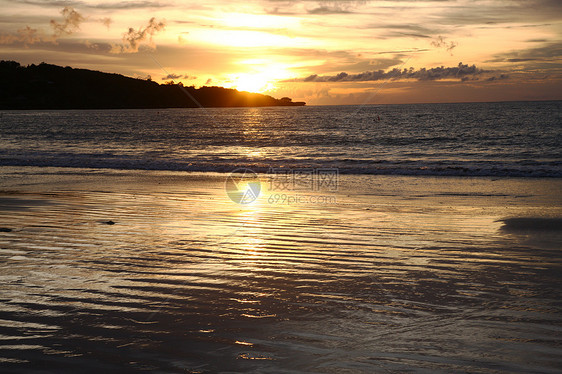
<point>473,139</point>
<point>439,250</point>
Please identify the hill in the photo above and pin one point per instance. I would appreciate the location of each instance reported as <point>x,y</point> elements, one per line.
<point>46,86</point>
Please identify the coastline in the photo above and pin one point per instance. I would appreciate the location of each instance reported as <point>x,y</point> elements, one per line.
<point>51,87</point>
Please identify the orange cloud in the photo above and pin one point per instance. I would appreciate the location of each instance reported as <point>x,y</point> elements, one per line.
<point>132,39</point>
<point>71,22</point>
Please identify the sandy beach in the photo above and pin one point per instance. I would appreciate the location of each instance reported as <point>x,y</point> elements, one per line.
<point>109,270</point>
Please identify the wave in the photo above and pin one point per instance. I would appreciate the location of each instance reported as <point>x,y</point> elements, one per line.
<point>473,168</point>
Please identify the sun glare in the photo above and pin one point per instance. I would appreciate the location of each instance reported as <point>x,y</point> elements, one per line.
<point>244,20</point>
<point>259,81</point>
<point>252,83</point>
<point>247,39</point>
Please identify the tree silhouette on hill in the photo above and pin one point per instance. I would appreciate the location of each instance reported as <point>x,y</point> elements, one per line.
<point>47,86</point>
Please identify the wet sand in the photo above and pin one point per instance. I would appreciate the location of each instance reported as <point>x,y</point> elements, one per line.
<point>386,274</point>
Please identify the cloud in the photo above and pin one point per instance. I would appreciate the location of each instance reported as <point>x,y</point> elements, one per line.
<point>497,13</point>
<point>132,39</point>
<point>181,39</point>
<point>497,78</point>
<point>50,3</point>
<point>26,35</point>
<point>130,5</point>
<point>82,4</point>
<point>440,42</point>
<point>171,76</point>
<point>178,76</point>
<point>408,28</point>
<point>401,51</point>
<point>71,22</point>
<point>106,21</point>
<point>422,74</point>
<point>398,34</point>
<point>317,7</point>
<point>547,52</point>
<point>335,7</point>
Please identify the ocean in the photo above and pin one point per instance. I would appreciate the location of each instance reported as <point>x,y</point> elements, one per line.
<point>474,139</point>
<point>409,238</point>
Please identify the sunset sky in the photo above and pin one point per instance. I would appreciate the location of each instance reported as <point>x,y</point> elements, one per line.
<point>321,52</point>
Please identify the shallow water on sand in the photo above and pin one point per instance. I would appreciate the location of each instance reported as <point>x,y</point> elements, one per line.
<point>395,274</point>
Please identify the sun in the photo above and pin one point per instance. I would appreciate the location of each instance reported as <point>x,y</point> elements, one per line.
<point>261,76</point>
<point>252,83</point>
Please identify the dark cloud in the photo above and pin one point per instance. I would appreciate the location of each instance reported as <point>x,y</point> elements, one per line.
<point>519,59</point>
<point>549,52</point>
<point>441,42</point>
<point>497,78</point>
<point>422,74</point>
<point>171,76</point>
<point>178,76</point>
